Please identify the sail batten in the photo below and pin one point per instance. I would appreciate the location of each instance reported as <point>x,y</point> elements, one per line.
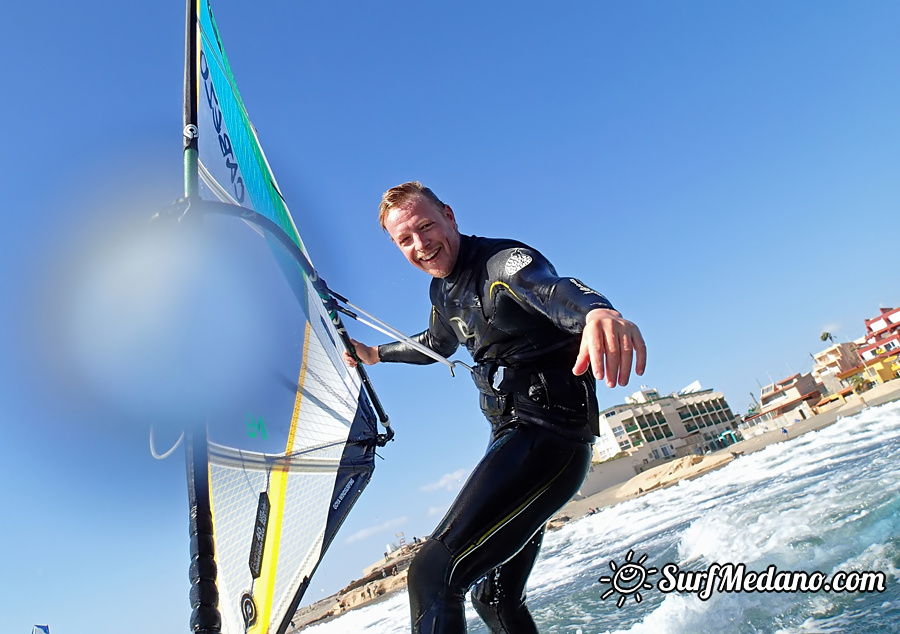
<point>279,495</point>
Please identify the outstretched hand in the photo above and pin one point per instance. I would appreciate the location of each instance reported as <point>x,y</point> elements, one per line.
<point>367,354</point>
<point>609,343</point>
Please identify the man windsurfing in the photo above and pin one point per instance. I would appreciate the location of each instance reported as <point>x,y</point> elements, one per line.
<point>533,336</point>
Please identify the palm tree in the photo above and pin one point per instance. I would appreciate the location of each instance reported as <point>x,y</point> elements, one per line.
<point>827,336</point>
<point>858,382</point>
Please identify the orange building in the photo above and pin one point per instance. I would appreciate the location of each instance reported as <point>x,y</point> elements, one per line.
<point>789,399</point>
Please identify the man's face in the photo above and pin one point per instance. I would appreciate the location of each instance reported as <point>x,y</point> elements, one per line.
<point>426,234</point>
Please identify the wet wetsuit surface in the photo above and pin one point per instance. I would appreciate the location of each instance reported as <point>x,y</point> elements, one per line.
<point>521,322</point>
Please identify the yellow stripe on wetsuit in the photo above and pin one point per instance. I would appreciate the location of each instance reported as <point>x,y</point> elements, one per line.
<point>506,520</point>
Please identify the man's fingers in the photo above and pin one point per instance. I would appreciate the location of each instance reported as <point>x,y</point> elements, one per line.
<point>640,349</point>
<point>611,344</point>
<point>596,350</point>
<point>349,360</point>
<point>584,356</point>
<point>626,355</point>
<point>581,363</point>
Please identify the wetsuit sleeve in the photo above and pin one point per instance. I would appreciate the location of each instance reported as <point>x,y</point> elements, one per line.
<point>528,277</point>
<point>439,337</point>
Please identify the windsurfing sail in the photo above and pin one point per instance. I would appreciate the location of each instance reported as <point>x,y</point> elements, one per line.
<point>265,506</point>
<point>40,629</point>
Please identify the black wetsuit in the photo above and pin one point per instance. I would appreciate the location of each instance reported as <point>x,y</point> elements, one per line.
<point>521,322</point>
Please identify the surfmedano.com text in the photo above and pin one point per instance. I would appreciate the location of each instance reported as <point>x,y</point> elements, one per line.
<point>730,578</point>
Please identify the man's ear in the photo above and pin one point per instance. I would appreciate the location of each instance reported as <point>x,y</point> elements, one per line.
<point>448,213</point>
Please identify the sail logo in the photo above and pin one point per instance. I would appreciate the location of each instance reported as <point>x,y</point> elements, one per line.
<point>256,427</point>
<point>212,100</point>
<point>257,546</point>
<point>343,494</point>
<point>248,609</point>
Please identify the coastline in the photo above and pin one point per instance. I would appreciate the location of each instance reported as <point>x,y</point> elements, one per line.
<point>664,476</point>
<point>659,477</point>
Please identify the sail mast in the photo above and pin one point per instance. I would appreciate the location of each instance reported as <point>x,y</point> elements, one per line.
<point>191,94</point>
<point>204,595</point>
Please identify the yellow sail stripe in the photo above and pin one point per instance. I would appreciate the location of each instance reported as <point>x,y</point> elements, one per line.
<point>277,493</point>
<point>296,414</point>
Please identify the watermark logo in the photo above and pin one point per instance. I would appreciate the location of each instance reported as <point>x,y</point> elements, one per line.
<point>628,579</point>
<point>632,577</point>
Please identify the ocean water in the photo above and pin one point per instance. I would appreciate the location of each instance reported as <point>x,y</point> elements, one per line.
<point>827,501</point>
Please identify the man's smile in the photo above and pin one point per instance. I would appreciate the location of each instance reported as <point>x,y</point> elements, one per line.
<point>430,256</point>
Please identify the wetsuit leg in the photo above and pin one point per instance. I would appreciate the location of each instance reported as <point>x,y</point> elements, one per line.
<point>499,597</point>
<point>527,474</point>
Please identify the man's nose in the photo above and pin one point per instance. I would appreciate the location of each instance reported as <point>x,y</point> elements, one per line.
<point>418,242</point>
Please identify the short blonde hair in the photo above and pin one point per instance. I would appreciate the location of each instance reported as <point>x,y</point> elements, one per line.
<point>399,195</point>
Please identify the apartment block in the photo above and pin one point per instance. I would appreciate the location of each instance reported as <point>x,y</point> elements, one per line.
<point>670,426</point>
<point>787,400</point>
<point>882,335</point>
<point>831,362</point>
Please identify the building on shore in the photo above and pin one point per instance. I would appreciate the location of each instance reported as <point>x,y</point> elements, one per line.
<point>877,361</point>
<point>882,335</point>
<point>655,428</point>
<point>832,361</point>
<point>786,402</point>
<point>880,369</point>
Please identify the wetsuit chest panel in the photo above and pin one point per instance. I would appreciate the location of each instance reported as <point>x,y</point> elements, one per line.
<point>462,308</point>
<point>466,321</point>
<point>484,312</point>
<point>512,320</point>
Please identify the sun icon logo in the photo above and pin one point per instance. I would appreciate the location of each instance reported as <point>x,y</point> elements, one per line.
<point>630,578</point>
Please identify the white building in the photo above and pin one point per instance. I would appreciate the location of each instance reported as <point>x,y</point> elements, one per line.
<point>663,427</point>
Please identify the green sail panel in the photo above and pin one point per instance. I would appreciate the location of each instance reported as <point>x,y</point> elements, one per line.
<point>234,166</point>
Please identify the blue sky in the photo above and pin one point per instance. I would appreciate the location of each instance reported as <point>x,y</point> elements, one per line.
<point>726,173</point>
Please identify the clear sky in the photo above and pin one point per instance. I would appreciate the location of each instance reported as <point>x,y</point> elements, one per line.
<point>726,173</point>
